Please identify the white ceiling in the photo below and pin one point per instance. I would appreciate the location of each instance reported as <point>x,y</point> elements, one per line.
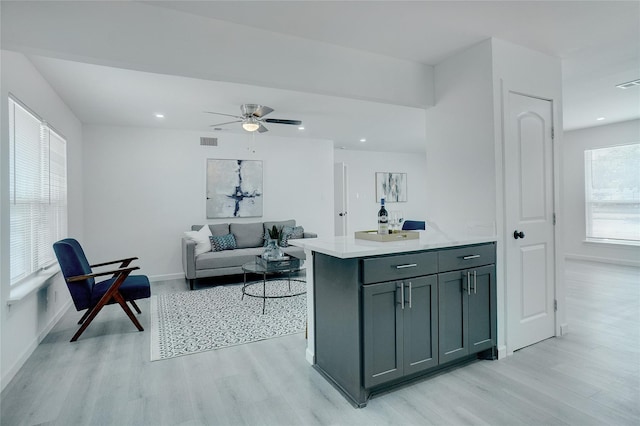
<point>598,42</point>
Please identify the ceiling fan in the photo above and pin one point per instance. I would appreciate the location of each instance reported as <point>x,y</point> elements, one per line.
<point>252,118</point>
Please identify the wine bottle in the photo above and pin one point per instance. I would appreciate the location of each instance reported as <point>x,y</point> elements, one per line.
<point>383,219</point>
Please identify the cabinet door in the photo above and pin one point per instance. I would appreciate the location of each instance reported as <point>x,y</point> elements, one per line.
<point>453,325</point>
<point>482,309</point>
<point>382,332</point>
<point>420,324</point>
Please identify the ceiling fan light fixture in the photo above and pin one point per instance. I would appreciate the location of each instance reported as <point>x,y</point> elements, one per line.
<point>250,124</point>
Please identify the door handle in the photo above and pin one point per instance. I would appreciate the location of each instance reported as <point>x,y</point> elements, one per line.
<point>342,214</point>
<point>468,283</point>
<point>410,293</point>
<point>402,293</point>
<point>475,283</point>
<point>517,234</point>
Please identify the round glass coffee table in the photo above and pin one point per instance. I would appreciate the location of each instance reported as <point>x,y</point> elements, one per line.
<point>268,271</point>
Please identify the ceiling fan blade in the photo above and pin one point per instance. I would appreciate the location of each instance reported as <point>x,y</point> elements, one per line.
<point>262,111</point>
<point>228,122</point>
<point>228,115</point>
<point>262,129</point>
<point>281,121</point>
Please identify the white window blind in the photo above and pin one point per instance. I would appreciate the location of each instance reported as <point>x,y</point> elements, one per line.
<point>612,194</point>
<point>38,192</point>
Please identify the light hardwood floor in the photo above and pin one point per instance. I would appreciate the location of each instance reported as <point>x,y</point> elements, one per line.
<point>590,376</point>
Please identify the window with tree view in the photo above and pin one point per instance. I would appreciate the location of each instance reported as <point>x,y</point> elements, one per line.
<point>612,196</point>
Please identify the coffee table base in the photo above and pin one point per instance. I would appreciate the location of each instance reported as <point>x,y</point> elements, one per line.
<point>264,296</point>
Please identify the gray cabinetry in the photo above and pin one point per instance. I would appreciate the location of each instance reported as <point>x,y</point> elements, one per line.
<point>383,331</point>
<point>399,329</point>
<point>466,302</point>
<point>453,316</point>
<point>383,320</point>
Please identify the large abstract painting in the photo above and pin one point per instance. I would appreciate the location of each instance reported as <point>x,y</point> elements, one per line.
<point>391,186</point>
<point>234,188</point>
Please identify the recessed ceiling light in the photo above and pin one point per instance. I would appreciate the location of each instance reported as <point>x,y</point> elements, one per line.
<point>159,115</point>
<point>601,118</point>
<point>363,140</point>
<point>301,128</point>
<point>628,84</point>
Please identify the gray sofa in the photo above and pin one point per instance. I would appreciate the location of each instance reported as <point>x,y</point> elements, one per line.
<point>249,239</point>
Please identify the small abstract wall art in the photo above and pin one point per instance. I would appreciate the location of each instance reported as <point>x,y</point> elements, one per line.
<point>234,188</point>
<point>391,186</point>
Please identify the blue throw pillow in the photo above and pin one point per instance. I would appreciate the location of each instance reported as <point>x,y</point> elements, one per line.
<point>291,233</point>
<point>224,242</point>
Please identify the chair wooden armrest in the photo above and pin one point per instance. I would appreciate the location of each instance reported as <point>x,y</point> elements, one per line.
<point>125,262</point>
<point>99,274</point>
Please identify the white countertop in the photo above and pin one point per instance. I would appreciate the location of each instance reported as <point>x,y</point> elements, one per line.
<point>350,247</point>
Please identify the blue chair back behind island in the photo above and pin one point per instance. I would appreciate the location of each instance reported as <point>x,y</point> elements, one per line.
<point>413,225</point>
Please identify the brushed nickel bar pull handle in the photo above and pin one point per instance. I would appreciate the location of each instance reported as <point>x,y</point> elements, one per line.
<point>402,293</point>
<point>475,283</point>
<point>410,293</point>
<point>408,265</point>
<point>468,283</point>
<point>473,256</point>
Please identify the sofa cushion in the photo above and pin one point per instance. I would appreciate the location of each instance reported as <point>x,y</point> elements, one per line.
<point>247,234</point>
<point>219,229</point>
<point>201,237</point>
<point>280,224</point>
<point>223,242</point>
<point>295,252</point>
<point>227,258</point>
<point>216,229</point>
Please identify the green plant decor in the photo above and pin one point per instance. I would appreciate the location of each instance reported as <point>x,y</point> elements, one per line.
<point>275,234</point>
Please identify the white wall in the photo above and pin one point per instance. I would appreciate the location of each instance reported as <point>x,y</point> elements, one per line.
<point>145,187</point>
<point>460,181</point>
<point>575,143</point>
<point>25,323</point>
<point>361,168</point>
<point>464,142</point>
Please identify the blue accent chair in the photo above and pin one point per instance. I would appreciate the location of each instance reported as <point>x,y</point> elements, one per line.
<point>413,225</point>
<point>87,294</point>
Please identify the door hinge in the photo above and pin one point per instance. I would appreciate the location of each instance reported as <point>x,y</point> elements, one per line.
<point>553,133</point>
<point>554,218</point>
<point>555,305</point>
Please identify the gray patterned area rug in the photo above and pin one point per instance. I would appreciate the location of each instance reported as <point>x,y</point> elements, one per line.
<point>202,320</point>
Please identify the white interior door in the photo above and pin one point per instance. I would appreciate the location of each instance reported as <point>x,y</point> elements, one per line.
<point>340,198</point>
<point>529,243</point>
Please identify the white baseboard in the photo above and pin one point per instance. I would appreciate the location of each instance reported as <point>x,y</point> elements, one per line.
<point>502,352</point>
<point>166,277</point>
<point>623,262</point>
<point>310,356</point>
<point>22,359</point>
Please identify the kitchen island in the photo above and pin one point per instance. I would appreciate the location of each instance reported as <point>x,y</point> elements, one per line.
<point>381,314</point>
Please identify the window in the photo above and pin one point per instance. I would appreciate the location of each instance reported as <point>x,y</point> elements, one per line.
<point>612,196</point>
<point>38,191</point>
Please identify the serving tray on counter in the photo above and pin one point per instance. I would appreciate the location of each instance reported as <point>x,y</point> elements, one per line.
<point>395,236</point>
